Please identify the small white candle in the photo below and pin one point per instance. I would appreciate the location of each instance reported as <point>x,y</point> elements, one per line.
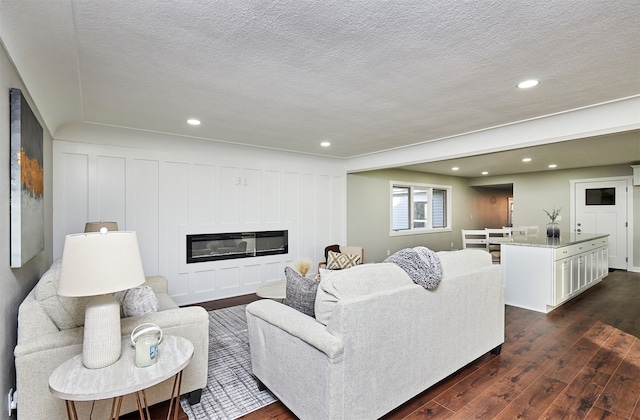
<point>146,350</point>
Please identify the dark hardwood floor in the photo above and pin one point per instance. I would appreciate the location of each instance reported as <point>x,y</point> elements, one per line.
<point>581,361</point>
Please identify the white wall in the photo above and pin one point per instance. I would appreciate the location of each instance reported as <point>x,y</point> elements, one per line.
<point>165,187</point>
<point>16,283</point>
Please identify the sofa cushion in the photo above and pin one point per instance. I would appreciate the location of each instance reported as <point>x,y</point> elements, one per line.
<point>137,301</point>
<point>301,292</point>
<point>340,261</point>
<point>353,282</point>
<point>463,260</point>
<point>65,312</point>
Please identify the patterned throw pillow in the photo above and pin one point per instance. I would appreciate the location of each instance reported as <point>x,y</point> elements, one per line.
<point>137,301</point>
<point>339,261</point>
<point>301,292</point>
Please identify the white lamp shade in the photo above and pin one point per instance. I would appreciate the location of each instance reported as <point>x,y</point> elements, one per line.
<point>99,263</point>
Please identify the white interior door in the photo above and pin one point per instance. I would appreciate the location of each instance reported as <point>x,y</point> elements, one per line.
<point>601,207</point>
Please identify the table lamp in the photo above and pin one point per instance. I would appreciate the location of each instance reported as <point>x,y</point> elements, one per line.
<point>98,264</point>
<point>96,226</point>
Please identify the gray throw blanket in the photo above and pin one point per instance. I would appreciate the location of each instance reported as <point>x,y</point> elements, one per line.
<point>421,264</point>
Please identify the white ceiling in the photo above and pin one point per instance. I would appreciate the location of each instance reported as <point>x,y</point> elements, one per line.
<point>365,75</point>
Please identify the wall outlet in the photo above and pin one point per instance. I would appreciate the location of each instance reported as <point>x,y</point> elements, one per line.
<point>558,218</point>
<point>12,401</point>
<point>388,252</point>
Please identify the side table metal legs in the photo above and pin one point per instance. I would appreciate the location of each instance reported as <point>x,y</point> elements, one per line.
<point>141,400</point>
<point>175,396</point>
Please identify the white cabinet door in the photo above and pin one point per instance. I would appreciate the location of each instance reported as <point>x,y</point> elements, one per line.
<point>562,281</point>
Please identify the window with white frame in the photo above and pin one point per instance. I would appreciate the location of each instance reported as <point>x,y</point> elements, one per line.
<point>419,208</point>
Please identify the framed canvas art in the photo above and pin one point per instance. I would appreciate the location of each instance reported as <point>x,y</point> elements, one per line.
<point>27,182</point>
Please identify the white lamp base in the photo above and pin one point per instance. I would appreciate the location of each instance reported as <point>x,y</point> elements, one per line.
<point>102,343</point>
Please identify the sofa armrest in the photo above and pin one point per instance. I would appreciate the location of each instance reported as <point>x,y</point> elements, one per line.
<point>50,342</point>
<point>176,318</point>
<point>296,324</point>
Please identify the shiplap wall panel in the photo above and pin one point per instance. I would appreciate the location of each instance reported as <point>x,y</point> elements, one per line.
<point>272,196</point>
<point>146,196</point>
<point>175,179</point>
<point>202,194</point>
<point>323,209</point>
<point>203,281</point>
<point>165,196</point>
<point>251,204</point>
<point>274,271</point>
<point>251,275</point>
<point>111,178</point>
<point>307,216</point>
<point>229,278</point>
<point>290,194</point>
<point>229,205</point>
<point>75,173</point>
<point>338,199</point>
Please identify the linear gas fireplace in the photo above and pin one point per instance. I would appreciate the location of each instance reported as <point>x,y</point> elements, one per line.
<point>224,246</point>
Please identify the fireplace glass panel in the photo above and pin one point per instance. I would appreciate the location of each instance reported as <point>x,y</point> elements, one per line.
<point>224,246</point>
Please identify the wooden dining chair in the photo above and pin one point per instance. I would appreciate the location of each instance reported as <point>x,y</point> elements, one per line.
<point>494,237</point>
<point>474,238</point>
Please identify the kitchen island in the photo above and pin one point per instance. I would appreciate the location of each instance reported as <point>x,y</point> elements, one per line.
<point>542,273</point>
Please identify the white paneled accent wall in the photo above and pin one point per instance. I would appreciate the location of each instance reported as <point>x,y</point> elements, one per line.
<point>165,195</point>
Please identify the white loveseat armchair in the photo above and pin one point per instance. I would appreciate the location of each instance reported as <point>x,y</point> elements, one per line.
<point>386,339</point>
<point>50,332</point>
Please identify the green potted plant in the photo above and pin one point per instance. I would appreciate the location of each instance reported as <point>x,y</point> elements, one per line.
<point>553,229</point>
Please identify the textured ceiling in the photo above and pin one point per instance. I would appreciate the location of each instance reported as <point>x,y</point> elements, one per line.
<point>365,75</point>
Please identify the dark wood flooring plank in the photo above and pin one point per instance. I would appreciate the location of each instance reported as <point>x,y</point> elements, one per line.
<point>489,403</point>
<point>430,410</point>
<point>620,395</point>
<point>611,354</point>
<point>470,387</point>
<point>575,401</point>
<point>427,395</point>
<point>533,401</point>
<point>569,364</point>
<point>599,414</point>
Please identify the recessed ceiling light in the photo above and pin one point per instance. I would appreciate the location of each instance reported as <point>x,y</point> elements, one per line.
<point>528,84</point>
<point>325,144</point>
<point>485,173</point>
<point>553,165</point>
<point>193,121</point>
<point>455,168</point>
<point>526,160</point>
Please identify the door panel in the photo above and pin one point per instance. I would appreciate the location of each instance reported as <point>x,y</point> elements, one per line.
<point>601,207</point>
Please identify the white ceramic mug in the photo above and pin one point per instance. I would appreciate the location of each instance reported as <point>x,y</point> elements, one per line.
<point>146,340</point>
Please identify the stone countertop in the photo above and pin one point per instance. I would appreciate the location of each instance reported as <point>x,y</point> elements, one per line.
<point>541,241</point>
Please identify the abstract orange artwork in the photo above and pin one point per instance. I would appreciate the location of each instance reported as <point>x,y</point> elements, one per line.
<point>27,182</point>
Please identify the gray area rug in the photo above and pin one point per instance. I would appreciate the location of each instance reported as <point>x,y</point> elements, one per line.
<point>231,390</point>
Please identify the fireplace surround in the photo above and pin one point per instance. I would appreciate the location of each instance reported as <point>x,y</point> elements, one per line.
<point>225,246</point>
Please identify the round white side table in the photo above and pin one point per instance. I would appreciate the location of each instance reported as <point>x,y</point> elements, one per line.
<point>71,381</point>
<point>276,290</point>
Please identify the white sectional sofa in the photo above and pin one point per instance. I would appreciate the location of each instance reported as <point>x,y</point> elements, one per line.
<point>386,339</point>
<point>50,332</point>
